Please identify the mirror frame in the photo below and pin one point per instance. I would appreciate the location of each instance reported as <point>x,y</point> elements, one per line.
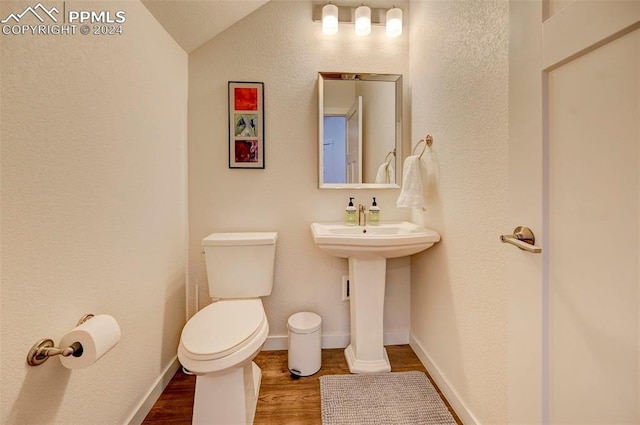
<point>397,78</point>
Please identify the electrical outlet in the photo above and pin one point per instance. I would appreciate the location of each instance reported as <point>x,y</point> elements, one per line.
<point>345,288</point>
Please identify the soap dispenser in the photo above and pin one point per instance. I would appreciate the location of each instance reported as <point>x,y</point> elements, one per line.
<point>374,213</point>
<point>351,215</point>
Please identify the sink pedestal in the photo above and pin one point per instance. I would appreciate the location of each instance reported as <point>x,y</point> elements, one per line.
<point>367,248</point>
<point>366,353</point>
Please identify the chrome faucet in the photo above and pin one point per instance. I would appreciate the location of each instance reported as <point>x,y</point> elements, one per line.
<point>362,215</point>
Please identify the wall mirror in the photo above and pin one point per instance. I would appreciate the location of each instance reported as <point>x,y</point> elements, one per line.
<point>359,130</point>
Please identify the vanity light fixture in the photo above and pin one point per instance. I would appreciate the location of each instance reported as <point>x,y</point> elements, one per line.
<point>330,19</point>
<point>394,22</point>
<point>331,15</point>
<point>363,20</point>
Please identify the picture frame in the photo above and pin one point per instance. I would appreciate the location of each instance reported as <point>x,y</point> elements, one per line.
<point>246,125</point>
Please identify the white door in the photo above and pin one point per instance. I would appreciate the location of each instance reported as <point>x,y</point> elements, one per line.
<point>334,154</point>
<point>354,142</point>
<point>574,316</point>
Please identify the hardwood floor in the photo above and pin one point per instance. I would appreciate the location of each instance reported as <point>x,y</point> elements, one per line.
<point>282,400</point>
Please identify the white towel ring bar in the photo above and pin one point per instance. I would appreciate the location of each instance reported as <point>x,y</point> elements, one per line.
<point>428,141</point>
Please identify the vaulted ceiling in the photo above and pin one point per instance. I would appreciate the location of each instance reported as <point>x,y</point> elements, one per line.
<point>192,23</point>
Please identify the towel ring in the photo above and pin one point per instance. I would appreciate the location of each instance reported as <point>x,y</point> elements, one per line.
<point>428,141</point>
<point>390,154</point>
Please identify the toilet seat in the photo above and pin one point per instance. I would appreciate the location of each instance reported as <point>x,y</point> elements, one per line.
<point>222,328</point>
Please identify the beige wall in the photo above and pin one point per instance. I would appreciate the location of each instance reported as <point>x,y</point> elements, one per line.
<point>93,212</point>
<point>459,71</point>
<point>281,46</point>
<point>114,163</point>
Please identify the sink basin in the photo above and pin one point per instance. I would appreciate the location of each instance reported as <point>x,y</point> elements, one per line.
<point>367,248</point>
<point>388,240</point>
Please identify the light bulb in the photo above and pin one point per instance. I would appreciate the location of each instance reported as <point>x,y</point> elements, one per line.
<point>394,22</point>
<point>363,20</point>
<point>330,19</point>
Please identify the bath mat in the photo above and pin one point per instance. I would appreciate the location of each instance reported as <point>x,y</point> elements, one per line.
<point>402,398</point>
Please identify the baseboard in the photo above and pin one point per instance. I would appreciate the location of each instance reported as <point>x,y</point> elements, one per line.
<point>396,338</point>
<point>274,343</point>
<point>464,413</point>
<point>280,342</point>
<point>143,409</point>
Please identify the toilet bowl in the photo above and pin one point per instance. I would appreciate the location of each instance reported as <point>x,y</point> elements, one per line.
<point>222,335</point>
<point>218,344</point>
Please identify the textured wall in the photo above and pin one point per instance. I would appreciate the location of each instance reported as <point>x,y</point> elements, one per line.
<point>281,46</point>
<point>93,212</point>
<point>93,170</point>
<point>459,70</point>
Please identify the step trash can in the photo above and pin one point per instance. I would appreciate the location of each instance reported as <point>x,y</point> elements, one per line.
<point>305,351</point>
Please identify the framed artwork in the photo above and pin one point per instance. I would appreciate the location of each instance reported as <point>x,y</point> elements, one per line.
<point>246,125</point>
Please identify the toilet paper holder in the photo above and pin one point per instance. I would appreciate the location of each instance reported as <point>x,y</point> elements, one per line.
<point>43,349</point>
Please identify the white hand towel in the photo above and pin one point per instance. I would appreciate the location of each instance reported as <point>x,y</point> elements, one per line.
<point>412,191</point>
<point>386,174</point>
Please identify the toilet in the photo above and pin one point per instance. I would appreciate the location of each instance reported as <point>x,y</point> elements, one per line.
<point>219,343</point>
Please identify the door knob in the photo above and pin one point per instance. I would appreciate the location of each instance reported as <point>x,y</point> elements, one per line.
<point>523,238</point>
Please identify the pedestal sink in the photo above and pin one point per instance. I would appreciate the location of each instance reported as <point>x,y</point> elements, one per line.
<point>367,248</point>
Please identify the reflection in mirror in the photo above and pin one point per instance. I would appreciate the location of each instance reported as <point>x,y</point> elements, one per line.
<point>360,130</point>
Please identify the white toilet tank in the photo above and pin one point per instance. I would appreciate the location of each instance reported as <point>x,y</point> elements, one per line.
<point>240,265</point>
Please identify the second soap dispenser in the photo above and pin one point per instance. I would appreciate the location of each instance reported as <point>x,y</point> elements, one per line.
<point>374,213</point>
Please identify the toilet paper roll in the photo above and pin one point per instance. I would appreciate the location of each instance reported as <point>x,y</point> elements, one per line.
<point>97,336</point>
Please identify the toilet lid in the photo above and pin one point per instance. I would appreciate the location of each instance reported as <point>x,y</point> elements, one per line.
<point>222,328</point>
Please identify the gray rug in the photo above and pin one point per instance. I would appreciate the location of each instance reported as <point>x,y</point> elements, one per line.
<point>402,398</point>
